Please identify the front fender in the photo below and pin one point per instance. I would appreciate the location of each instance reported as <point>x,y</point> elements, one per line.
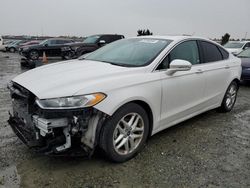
<point>149,93</point>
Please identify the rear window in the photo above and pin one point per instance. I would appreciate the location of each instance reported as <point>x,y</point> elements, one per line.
<point>224,53</point>
<point>211,53</point>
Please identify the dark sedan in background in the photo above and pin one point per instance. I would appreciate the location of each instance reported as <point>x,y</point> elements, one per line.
<point>52,48</point>
<point>245,62</point>
<point>90,44</point>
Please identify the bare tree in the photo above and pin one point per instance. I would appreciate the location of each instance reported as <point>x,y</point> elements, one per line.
<point>144,32</point>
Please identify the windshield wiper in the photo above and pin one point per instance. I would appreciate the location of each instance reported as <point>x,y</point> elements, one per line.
<point>121,64</point>
<point>111,63</point>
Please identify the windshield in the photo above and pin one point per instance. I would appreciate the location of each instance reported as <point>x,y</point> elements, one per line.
<point>44,42</point>
<point>234,45</point>
<point>130,52</point>
<point>91,39</point>
<point>245,54</point>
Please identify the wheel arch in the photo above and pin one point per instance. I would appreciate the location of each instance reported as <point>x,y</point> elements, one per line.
<point>237,81</point>
<point>145,106</point>
<point>149,112</point>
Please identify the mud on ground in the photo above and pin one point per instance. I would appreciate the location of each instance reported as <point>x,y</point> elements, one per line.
<point>211,150</point>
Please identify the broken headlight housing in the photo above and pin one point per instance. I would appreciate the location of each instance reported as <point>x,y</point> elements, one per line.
<point>73,102</point>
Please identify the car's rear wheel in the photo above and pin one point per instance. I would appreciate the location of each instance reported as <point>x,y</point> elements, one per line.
<point>125,133</point>
<point>12,50</point>
<point>230,97</point>
<point>33,54</point>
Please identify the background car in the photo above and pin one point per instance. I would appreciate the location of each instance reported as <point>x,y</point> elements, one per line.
<point>29,43</point>
<point>235,47</point>
<point>6,43</point>
<point>90,44</point>
<point>52,47</point>
<point>14,46</point>
<point>2,47</point>
<point>245,62</point>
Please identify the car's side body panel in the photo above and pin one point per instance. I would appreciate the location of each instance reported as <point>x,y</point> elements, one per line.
<point>183,94</point>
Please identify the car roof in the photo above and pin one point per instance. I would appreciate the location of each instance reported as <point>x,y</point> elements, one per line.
<point>172,37</point>
<point>105,35</point>
<point>60,39</point>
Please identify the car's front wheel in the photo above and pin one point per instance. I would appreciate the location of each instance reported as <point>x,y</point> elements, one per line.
<point>230,97</point>
<point>68,55</point>
<point>34,55</point>
<point>125,133</point>
<point>12,49</point>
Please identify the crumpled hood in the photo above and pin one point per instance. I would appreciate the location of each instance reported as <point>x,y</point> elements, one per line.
<point>69,77</point>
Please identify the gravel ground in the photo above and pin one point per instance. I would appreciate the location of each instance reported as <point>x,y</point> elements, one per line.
<point>210,150</point>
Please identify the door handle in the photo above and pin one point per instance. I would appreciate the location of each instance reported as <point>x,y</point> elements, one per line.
<point>227,67</point>
<point>199,71</point>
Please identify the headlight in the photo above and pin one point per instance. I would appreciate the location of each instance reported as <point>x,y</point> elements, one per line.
<point>25,48</point>
<point>71,102</point>
<point>75,48</point>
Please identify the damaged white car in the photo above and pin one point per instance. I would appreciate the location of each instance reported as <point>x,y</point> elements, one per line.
<point>121,94</point>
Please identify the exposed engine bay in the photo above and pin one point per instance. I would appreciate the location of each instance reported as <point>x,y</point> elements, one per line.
<point>56,132</point>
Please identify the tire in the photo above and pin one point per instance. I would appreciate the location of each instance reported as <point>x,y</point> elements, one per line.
<point>122,141</point>
<point>34,55</point>
<point>12,50</point>
<point>229,98</point>
<point>68,56</point>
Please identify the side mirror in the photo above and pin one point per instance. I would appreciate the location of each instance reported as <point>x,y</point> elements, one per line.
<point>178,65</point>
<point>102,42</point>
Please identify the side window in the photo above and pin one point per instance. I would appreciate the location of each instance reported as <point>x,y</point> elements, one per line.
<point>66,41</point>
<point>164,64</point>
<point>53,42</point>
<point>106,38</point>
<point>248,45</point>
<point>186,51</point>
<point>58,42</point>
<point>224,53</point>
<point>211,52</point>
<point>115,37</point>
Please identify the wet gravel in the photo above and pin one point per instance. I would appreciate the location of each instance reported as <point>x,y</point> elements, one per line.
<point>210,150</point>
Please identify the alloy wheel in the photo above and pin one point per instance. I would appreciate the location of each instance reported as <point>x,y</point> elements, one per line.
<point>34,55</point>
<point>128,133</point>
<point>231,96</point>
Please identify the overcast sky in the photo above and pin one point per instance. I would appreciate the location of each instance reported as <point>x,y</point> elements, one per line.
<point>208,18</point>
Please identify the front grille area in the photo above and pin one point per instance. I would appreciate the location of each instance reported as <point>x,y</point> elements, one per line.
<point>23,105</point>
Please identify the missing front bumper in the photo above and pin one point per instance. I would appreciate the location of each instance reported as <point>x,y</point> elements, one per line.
<point>57,137</point>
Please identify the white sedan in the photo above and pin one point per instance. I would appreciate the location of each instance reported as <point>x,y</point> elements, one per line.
<point>236,47</point>
<point>120,95</point>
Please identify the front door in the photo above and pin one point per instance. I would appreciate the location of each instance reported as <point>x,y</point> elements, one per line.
<point>182,92</point>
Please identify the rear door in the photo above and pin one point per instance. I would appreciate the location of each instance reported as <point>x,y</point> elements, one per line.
<point>55,47</point>
<point>216,69</point>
